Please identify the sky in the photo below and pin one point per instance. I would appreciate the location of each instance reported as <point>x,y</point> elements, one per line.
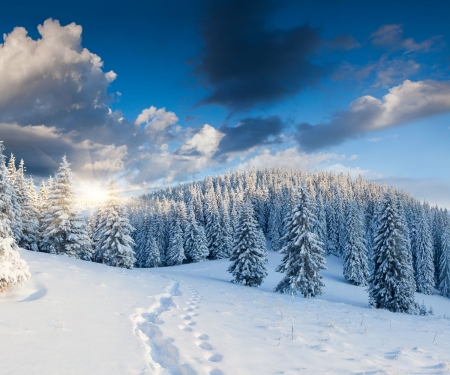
<point>160,92</point>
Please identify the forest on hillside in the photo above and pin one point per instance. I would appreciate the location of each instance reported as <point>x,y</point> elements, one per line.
<point>389,241</point>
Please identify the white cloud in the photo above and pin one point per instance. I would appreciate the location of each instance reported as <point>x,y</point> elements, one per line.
<point>46,79</point>
<point>403,103</point>
<point>156,119</point>
<point>205,141</point>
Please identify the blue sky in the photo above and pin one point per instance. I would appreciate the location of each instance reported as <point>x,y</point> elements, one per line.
<point>359,87</point>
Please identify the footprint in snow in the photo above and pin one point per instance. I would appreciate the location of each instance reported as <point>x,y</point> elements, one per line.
<point>206,346</point>
<point>215,358</point>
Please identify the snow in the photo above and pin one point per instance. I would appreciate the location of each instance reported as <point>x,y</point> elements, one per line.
<point>76,317</point>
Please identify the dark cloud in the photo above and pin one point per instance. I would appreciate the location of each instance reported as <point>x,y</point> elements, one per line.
<point>245,63</point>
<point>409,101</point>
<point>250,132</point>
<point>343,43</point>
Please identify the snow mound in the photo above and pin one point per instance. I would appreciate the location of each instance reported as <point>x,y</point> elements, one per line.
<point>13,270</point>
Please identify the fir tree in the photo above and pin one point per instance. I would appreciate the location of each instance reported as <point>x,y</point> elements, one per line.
<point>30,224</point>
<point>444,263</point>
<point>249,256</point>
<point>303,253</point>
<point>13,269</point>
<point>113,241</point>
<point>16,212</point>
<point>153,258</point>
<point>65,231</point>
<point>213,229</point>
<point>195,246</point>
<point>424,256</point>
<point>175,252</point>
<point>356,269</point>
<point>391,287</point>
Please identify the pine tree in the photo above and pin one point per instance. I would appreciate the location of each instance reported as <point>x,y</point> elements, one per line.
<point>213,229</point>
<point>249,257</point>
<point>30,224</point>
<point>65,230</point>
<point>13,269</point>
<point>356,269</point>
<point>195,246</point>
<point>275,226</point>
<point>391,286</point>
<point>444,263</point>
<point>113,241</point>
<point>423,309</point>
<point>424,256</point>
<point>303,253</point>
<point>175,252</point>
<point>320,229</point>
<point>16,213</point>
<point>153,254</point>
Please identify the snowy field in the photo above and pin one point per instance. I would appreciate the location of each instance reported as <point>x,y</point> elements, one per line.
<point>76,317</point>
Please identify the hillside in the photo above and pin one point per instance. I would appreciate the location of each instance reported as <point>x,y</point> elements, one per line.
<point>77,317</point>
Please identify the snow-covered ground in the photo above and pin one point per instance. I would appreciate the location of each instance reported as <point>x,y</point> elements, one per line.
<point>75,317</point>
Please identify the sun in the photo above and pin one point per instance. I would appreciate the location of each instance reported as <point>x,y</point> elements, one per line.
<point>92,192</point>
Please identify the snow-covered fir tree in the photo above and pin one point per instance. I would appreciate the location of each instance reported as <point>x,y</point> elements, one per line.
<point>16,213</point>
<point>249,257</point>
<point>303,253</point>
<point>275,226</point>
<point>391,286</point>
<point>114,245</point>
<point>444,262</point>
<point>424,255</point>
<point>213,228</point>
<point>30,224</point>
<point>64,229</point>
<point>175,252</point>
<point>356,269</point>
<point>13,269</point>
<point>195,247</point>
<point>153,258</point>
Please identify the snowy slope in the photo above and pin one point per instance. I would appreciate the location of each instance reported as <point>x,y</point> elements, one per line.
<point>75,317</point>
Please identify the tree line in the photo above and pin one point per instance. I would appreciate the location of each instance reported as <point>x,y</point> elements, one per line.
<point>389,241</point>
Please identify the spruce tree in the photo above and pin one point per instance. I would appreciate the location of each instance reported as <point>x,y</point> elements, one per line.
<point>424,256</point>
<point>249,257</point>
<point>13,269</point>
<point>113,241</point>
<point>356,269</point>
<point>213,229</point>
<point>175,252</point>
<point>391,286</point>
<point>195,247</point>
<point>153,258</point>
<point>65,230</point>
<point>30,224</point>
<point>16,213</point>
<point>303,253</point>
<point>444,262</point>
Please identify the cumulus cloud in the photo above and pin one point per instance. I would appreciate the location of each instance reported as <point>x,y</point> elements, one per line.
<point>52,80</point>
<point>155,119</point>
<point>406,102</point>
<point>245,63</point>
<point>391,38</point>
